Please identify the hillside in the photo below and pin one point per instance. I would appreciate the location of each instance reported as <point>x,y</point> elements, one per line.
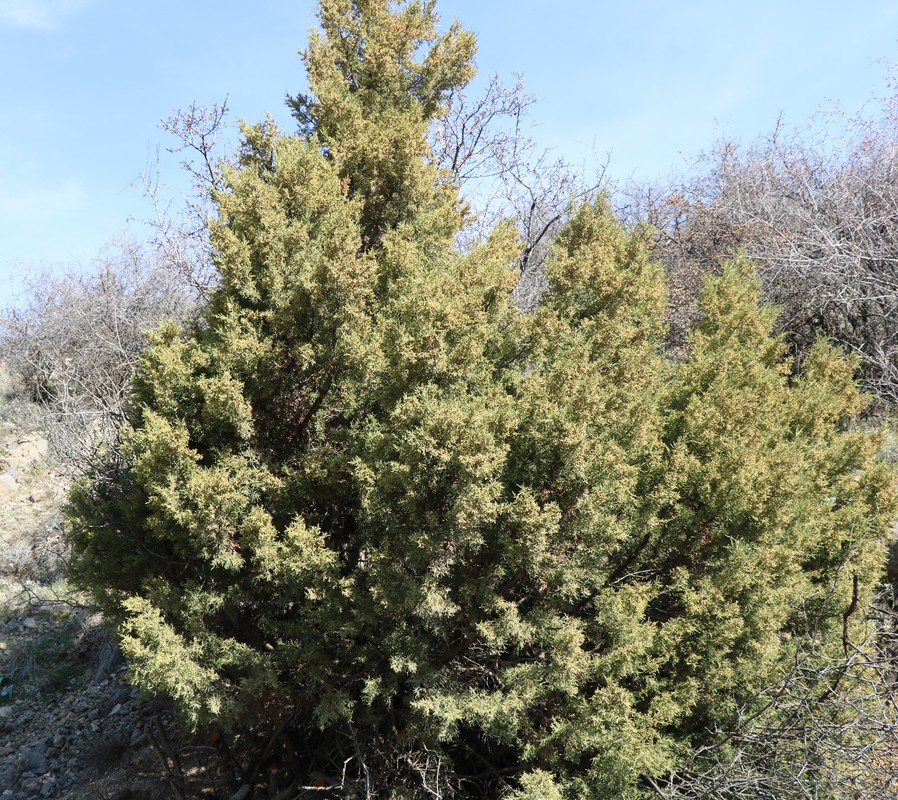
<point>70,726</point>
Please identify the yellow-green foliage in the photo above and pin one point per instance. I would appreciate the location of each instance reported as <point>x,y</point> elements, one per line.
<point>368,500</point>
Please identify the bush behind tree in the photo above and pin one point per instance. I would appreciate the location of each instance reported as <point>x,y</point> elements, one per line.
<point>73,345</point>
<point>818,217</point>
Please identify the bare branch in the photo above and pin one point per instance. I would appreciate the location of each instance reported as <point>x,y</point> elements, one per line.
<point>74,346</point>
<point>818,215</point>
<point>485,146</point>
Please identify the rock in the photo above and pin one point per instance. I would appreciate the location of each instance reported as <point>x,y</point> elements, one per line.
<point>39,496</point>
<point>116,709</point>
<point>8,484</point>
<point>109,658</point>
<point>29,622</point>
<point>35,757</point>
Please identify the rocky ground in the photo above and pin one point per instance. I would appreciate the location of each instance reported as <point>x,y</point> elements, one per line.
<point>70,725</point>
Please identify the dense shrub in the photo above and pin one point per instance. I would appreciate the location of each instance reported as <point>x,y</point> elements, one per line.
<point>367,513</point>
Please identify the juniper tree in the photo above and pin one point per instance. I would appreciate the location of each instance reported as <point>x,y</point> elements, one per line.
<point>433,545</point>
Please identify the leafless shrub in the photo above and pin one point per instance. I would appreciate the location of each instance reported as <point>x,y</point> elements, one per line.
<point>485,144</point>
<point>74,344</point>
<point>180,231</point>
<point>819,217</point>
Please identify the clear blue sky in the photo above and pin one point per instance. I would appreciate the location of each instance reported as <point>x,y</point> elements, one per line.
<point>652,82</point>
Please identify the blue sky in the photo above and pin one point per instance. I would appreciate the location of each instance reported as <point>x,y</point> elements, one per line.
<point>652,83</point>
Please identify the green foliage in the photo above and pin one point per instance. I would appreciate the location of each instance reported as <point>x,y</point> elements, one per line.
<point>368,502</point>
<point>372,103</point>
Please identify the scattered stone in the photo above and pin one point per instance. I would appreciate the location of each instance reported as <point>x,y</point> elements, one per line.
<point>35,757</point>
<point>109,659</point>
<point>59,743</point>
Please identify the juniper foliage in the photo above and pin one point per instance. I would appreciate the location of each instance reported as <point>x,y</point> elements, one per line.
<point>441,547</point>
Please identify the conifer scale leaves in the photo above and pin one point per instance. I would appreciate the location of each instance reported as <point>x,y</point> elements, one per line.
<point>366,500</point>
